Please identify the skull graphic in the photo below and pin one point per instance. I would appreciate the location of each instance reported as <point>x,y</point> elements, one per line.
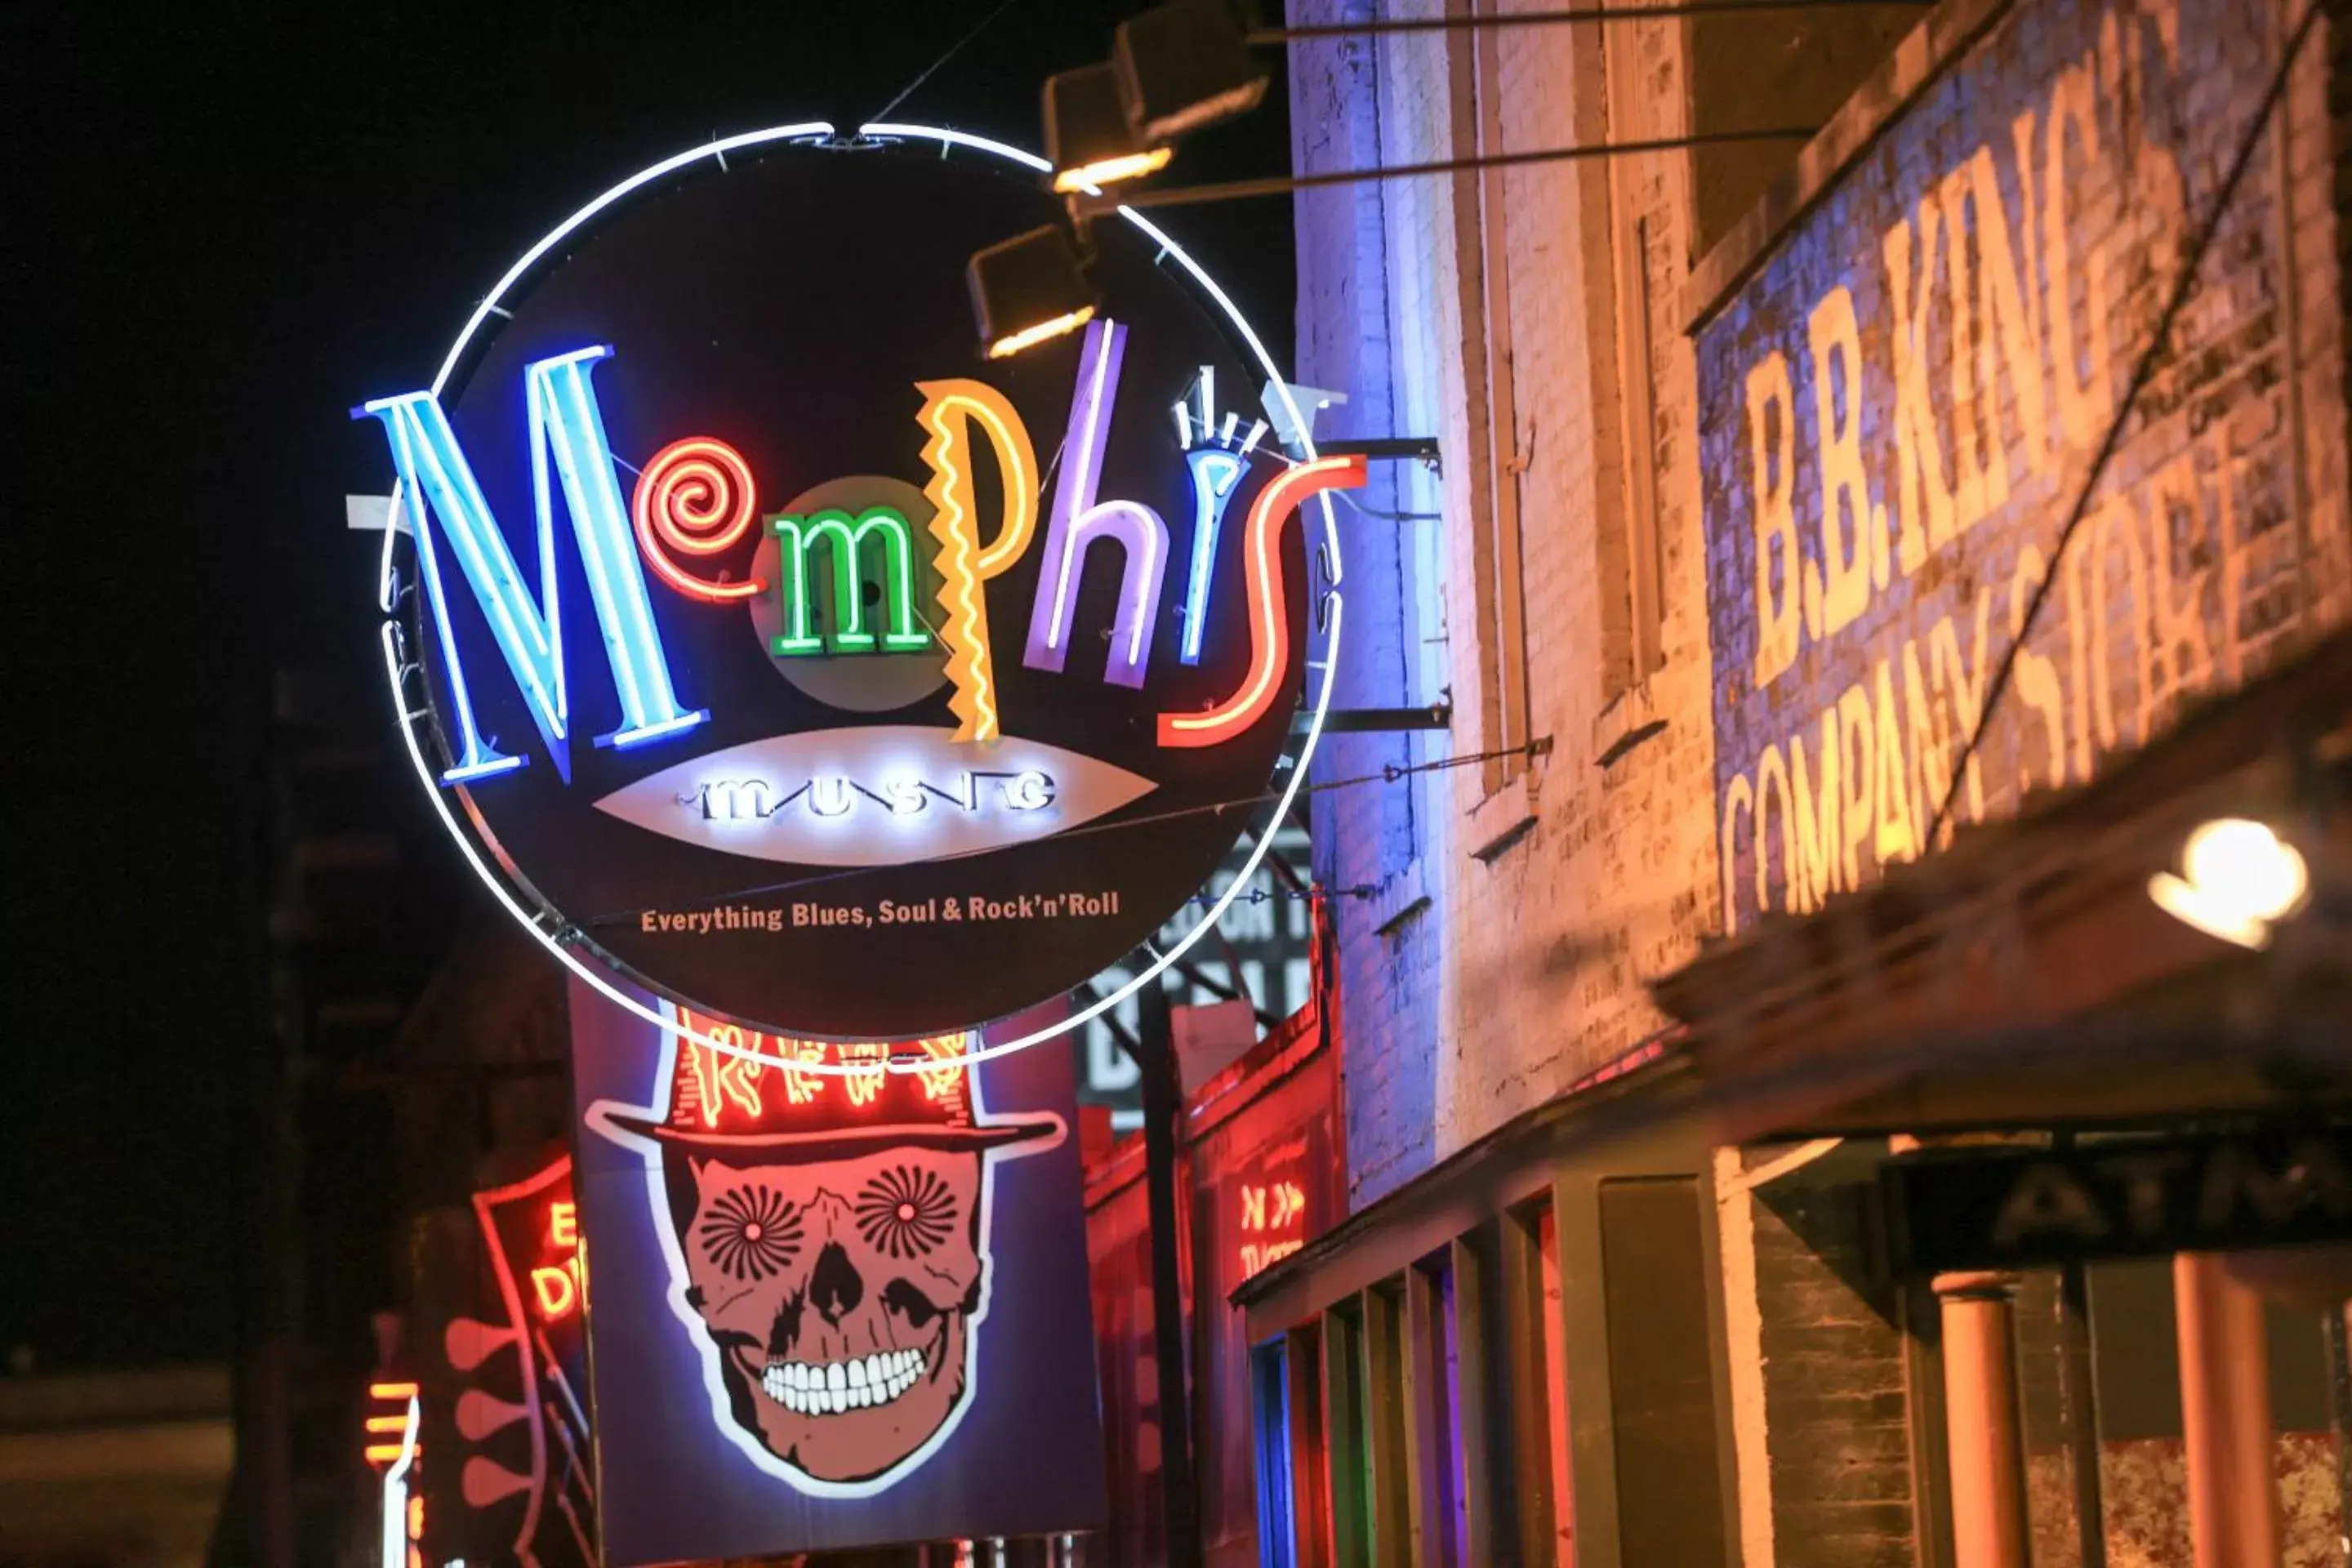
<point>838,1293</point>
<point>832,1234</point>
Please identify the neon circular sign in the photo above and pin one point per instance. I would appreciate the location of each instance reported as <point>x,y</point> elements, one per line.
<point>764,648</point>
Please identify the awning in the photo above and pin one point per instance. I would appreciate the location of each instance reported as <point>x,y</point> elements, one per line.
<point>2022,978</point>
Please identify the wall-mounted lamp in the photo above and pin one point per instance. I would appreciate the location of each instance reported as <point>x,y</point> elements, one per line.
<point>1087,138</point>
<point>2238,879</point>
<point>1183,67</point>
<point>1027,289</point>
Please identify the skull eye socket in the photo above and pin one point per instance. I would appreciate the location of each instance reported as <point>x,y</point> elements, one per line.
<point>750,1232</point>
<point>905,1212</point>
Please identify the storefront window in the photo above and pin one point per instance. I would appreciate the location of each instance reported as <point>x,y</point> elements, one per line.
<point>1454,1510</point>
<point>1277,1531</point>
<point>1344,1431</point>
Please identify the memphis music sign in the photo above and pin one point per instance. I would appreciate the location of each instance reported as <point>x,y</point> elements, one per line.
<point>766,645</point>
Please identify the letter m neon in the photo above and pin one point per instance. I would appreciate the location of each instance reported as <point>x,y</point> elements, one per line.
<point>565,425</point>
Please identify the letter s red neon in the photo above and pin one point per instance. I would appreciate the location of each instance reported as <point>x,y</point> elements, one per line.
<point>1270,628</point>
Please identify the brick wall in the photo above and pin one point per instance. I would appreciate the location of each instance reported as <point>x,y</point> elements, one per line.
<point>1478,981</point>
<point>1901,405</point>
<point>1365,837</point>
<point>1835,1401</point>
<point>1474,989</point>
<point>1847,672</point>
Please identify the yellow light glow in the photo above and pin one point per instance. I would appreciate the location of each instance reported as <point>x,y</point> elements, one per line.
<point>949,409</point>
<point>1030,337</point>
<point>1092,177</point>
<point>391,1391</point>
<point>387,1422</point>
<point>2241,878</point>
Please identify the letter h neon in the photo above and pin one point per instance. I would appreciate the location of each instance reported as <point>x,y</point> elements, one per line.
<point>1078,521</point>
<point>565,425</point>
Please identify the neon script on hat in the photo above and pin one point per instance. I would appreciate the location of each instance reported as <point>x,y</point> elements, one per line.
<point>696,500</point>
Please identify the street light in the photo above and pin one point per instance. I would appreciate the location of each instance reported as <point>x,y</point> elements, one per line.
<point>1087,138</point>
<point>2239,877</point>
<point>1027,289</point>
<point>1183,67</point>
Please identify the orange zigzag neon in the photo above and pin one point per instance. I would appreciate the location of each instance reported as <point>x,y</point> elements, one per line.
<point>949,409</point>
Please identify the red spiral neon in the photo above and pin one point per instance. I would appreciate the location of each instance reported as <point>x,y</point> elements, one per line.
<point>695,498</point>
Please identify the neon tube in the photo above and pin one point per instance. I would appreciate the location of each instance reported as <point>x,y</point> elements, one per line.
<point>949,409</point>
<point>537,925</point>
<point>695,497</point>
<point>566,428</point>
<point>1079,519</point>
<point>1269,633</point>
<point>395,1533</point>
<point>846,535</point>
<point>1214,477</point>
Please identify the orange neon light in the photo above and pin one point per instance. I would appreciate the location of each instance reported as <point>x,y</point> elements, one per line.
<point>376,1451</point>
<point>721,1077</point>
<point>799,1088</point>
<point>1092,177</point>
<point>387,1422</point>
<point>866,1084</point>
<point>949,410</point>
<point>941,1083</point>
<point>1029,337</point>
<point>724,1083</point>
<point>416,1518</point>
<point>557,1289</point>
<point>1270,629</point>
<point>391,1391</point>
<point>695,497</point>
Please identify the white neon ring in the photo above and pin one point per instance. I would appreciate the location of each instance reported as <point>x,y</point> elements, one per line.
<point>594,974</point>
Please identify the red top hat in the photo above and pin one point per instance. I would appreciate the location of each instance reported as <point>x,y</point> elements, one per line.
<point>773,1108</point>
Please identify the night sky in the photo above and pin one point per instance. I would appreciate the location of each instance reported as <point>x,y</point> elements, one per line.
<point>220,234</point>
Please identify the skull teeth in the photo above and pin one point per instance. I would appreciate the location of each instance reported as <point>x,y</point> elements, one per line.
<point>827,1388</point>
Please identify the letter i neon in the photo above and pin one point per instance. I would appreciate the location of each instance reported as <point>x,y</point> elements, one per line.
<point>1214,474</point>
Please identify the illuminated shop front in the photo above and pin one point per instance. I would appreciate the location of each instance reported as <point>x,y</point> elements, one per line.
<point>1262,1166</point>
<point>2071,1177</point>
<point>1801,1071</point>
<point>2022,434</point>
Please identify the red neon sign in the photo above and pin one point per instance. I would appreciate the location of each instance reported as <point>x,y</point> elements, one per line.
<point>733,1087</point>
<point>1272,1219</point>
<point>557,1285</point>
<point>1272,1213</point>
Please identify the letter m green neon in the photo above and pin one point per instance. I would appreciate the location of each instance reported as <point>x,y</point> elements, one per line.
<point>878,536</point>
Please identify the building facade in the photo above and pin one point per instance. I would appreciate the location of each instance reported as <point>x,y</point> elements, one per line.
<point>1886,339</point>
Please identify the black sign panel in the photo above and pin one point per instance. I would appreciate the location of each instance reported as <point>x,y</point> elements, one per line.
<point>795,660</point>
<point>831,1311</point>
<point>2122,1199</point>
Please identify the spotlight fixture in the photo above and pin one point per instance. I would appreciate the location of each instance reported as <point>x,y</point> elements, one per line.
<point>2239,877</point>
<point>1087,138</point>
<point>1183,67</point>
<point>1027,289</point>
